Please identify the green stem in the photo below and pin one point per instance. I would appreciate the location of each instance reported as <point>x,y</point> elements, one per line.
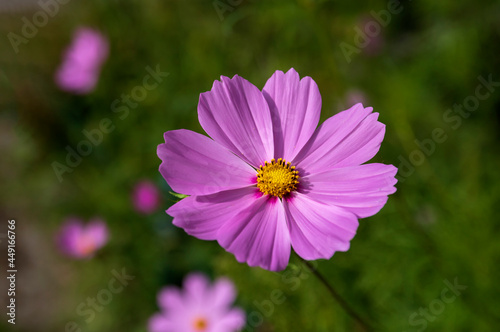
<point>343,303</point>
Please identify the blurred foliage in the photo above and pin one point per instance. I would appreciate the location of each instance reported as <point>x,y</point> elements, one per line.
<point>441,224</point>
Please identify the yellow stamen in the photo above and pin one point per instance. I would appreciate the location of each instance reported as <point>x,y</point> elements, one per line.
<point>200,324</point>
<point>277,178</point>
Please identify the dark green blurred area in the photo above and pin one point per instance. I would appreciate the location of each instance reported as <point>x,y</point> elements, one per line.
<point>442,224</point>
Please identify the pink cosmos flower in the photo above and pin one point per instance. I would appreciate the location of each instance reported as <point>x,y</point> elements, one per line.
<point>81,66</point>
<point>269,179</point>
<point>82,241</point>
<point>146,197</point>
<point>199,307</point>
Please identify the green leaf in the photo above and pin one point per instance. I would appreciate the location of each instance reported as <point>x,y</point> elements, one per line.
<point>179,196</point>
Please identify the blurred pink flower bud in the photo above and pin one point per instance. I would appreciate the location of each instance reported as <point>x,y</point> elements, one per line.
<point>82,61</point>
<point>146,197</point>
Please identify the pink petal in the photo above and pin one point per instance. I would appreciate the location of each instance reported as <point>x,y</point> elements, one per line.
<point>69,235</point>
<point>235,114</point>
<point>223,293</point>
<point>318,230</point>
<point>297,105</point>
<point>203,216</point>
<point>258,235</point>
<point>98,232</point>
<point>89,48</point>
<point>362,190</point>
<point>159,323</point>
<point>170,299</point>
<point>196,288</point>
<point>234,320</point>
<point>348,138</point>
<point>193,164</point>
<point>76,80</point>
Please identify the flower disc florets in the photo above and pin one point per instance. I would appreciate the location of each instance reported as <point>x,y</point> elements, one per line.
<point>277,178</point>
<point>200,324</point>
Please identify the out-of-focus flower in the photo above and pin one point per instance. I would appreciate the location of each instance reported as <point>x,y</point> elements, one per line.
<point>372,34</point>
<point>198,307</point>
<point>80,240</point>
<point>355,97</point>
<point>269,179</point>
<point>82,61</point>
<point>146,197</point>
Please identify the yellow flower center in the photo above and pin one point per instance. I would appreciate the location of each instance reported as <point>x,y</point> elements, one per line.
<point>277,178</point>
<point>200,324</point>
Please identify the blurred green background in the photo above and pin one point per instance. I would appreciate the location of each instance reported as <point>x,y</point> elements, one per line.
<point>441,225</point>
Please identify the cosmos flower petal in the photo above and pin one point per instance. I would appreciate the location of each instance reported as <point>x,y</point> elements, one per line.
<point>223,293</point>
<point>318,230</point>
<point>160,323</point>
<point>69,235</point>
<point>234,320</point>
<point>198,302</point>
<point>98,231</point>
<point>258,235</point>
<point>235,114</point>
<point>297,105</point>
<point>203,216</point>
<point>170,298</point>
<point>196,288</point>
<point>363,189</point>
<point>193,164</point>
<point>348,138</point>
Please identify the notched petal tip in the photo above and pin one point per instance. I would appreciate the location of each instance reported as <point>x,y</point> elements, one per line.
<point>360,106</point>
<point>236,115</point>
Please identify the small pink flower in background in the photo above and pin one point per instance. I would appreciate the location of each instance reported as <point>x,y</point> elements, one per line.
<point>268,179</point>
<point>80,240</point>
<point>198,307</point>
<point>81,66</point>
<point>371,33</point>
<point>146,197</point>
<point>354,97</point>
